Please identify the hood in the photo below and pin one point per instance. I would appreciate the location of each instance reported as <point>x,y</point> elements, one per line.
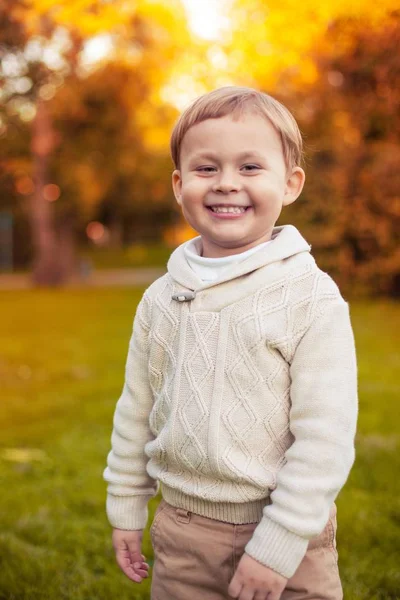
<point>286,242</point>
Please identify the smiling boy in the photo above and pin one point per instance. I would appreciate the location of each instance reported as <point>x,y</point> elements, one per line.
<point>234,163</point>
<point>240,395</point>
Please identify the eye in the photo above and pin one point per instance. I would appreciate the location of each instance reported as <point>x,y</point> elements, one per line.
<point>205,169</point>
<point>251,167</point>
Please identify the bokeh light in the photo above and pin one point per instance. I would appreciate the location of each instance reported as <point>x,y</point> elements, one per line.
<point>206,17</point>
<point>47,91</point>
<point>25,186</point>
<point>51,192</point>
<point>96,232</point>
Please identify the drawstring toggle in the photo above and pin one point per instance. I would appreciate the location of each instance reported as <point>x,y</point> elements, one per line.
<point>184,296</point>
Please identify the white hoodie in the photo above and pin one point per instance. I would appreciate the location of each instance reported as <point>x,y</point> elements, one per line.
<point>240,397</point>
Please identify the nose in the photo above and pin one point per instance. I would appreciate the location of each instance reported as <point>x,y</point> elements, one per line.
<point>226,182</point>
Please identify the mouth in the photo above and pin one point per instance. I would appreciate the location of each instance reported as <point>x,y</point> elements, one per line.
<point>228,208</point>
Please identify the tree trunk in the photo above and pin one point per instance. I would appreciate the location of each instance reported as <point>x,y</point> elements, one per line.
<point>48,267</point>
<point>66,248</point>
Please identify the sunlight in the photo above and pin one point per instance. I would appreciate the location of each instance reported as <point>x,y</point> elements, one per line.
<point>207,18</point>
<point>181,91</point>
<point>97,48</point>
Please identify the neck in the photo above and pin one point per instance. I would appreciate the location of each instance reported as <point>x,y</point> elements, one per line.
<point>211,250</point>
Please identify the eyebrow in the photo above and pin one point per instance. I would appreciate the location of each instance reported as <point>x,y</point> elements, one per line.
<point>241,156</point>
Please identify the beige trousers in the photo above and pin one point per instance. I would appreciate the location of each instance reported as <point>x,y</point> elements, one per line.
<point>196,557</point>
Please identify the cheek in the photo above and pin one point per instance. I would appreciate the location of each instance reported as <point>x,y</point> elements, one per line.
<point>267,195</point>
<point>194,187</point>
<point>192,217</point>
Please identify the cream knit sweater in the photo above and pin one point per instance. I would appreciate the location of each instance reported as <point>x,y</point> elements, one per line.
<point>241,401</point>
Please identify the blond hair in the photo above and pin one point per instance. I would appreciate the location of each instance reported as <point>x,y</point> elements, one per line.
<point>233,100</point>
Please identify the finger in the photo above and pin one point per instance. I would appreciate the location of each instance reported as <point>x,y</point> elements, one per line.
<point>234,588</point>
<point>262,596</point>
<point>135,554</point>
<point>247,593</point>
<point>135,571</point>
<point>124,563</point>
<point>141,569</point>
<point>142,573</point>
<point>138,563</point>
<point>139,566</point>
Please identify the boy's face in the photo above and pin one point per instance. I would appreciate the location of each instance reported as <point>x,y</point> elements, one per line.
<point>233,182</point>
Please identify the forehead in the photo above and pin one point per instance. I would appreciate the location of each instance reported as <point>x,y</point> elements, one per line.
<point>232,134</point>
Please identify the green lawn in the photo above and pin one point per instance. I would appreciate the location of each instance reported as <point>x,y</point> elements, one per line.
<point>134,256</point>
<point>62,356</point>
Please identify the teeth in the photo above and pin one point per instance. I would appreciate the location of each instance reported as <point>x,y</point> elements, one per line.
<point>228,209</point>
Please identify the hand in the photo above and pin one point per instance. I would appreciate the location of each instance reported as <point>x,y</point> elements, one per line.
<point>127,546</point>
<point>254,581</point>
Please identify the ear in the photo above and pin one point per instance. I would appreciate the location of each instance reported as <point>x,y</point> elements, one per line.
<point>294,185</point>
<point>177,186</point>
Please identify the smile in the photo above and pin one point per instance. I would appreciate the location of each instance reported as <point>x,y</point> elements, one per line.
<point>228,209</point>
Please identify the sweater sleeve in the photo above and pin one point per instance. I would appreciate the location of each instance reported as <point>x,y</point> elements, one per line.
<point>129,485</point>
<point>323,415</point>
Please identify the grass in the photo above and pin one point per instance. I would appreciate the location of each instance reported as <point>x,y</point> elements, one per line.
<point>133,256</point>
<point>61,366</point>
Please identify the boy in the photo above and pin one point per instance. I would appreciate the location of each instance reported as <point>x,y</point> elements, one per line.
<point>241,380</point>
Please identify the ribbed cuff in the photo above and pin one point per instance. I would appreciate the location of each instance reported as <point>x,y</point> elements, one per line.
<point>276,547</point>
<point>127,512</point>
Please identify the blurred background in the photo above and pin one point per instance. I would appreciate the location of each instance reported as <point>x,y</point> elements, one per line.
<point>90,90</point>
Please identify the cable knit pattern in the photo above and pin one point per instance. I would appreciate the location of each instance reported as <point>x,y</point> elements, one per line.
<point>242,402</point>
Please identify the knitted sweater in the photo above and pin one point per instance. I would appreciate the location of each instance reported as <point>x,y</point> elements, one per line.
<point>240,397</point>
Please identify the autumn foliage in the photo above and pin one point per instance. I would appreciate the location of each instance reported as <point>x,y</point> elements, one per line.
<point>351,121</point>
<point>82,143</point>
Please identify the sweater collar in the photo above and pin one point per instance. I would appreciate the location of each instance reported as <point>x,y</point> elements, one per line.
<point>286,241</point>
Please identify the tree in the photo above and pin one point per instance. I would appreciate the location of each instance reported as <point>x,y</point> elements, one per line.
<point>353,127</point>
<point>142,34</point>
<point>337,68</point>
